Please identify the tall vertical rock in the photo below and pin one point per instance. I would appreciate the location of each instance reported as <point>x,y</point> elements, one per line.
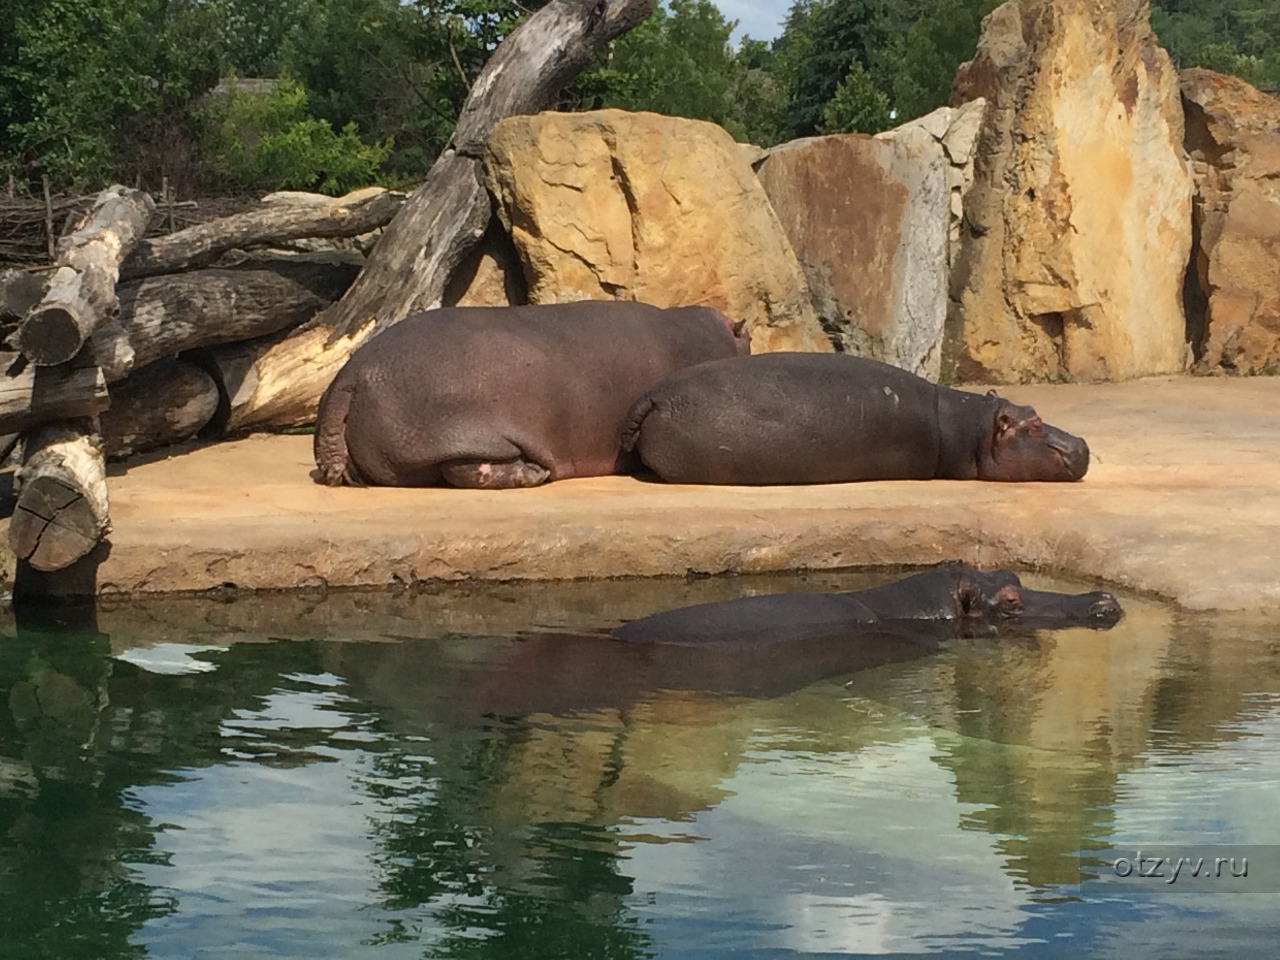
<point>1078,226</point>
<point>637,206</point>
<point>1233,136</point>
<point>867,219</point>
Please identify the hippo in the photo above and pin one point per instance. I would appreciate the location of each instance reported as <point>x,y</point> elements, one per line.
<point>783,418</point>
<point>958,598</point>
<point>759,646</point>
<point>506,396</point>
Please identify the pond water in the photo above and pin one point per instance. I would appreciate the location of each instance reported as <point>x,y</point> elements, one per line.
<point>398,775</point>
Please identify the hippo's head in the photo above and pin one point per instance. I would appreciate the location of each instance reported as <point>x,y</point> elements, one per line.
<point>1044,610</point>
<point>1000,599</point>
<point>1023,447</point>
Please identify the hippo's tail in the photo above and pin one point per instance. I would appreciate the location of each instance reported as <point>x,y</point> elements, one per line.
<point>330,441</point>
<point>635,417</point>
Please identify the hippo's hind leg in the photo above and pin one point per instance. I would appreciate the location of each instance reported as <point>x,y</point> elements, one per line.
<point>493,474</point>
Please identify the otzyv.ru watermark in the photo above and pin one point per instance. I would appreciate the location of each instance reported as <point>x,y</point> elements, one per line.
<point>1186,868</point>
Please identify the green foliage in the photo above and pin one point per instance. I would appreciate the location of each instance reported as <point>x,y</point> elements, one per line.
<point>400,71</point>
<point>1240,37</point>
<point>927,57</point>
<point>269,140</point>
<point>857,105</point>
<point>83,81</point>
<point>822,40</point>
<point>677,63</point>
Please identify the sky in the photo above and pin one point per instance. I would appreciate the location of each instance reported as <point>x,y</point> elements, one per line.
<point>758,19</point>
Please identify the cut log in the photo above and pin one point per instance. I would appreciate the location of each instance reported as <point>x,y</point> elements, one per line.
<point>61,511</point>
<point>442,219</point>
<point>82,291</point>
<point>166,402</point>
<point>20,290</point>
<point>291,216</point>
<point>160,316</point>
<point>40,395</point>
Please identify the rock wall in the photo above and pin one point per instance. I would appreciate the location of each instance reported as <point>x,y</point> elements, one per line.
<point>637,206</point>
<point>1233,137</point>
<point>1078,224</point>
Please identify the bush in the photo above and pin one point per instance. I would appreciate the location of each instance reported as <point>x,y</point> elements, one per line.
<point>268,141</point>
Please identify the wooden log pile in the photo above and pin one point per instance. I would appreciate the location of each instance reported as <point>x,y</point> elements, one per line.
<point>125,342</point>
<point>113,342</point>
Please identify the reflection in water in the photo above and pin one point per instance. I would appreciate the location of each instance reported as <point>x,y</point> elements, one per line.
<point>393,775</point>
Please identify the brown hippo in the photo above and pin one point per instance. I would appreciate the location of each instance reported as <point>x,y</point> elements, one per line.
<point>506,396</point>
<point>830,418</point>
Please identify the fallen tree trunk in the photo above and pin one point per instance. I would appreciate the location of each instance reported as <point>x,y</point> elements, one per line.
<point>160,316</point>
<point>444,218</point>
<point>166,402</point>
<point>82,291</point>
<point>273,381</point>
<point>290,217</point>
<point>61,510</point>
<point>39,395</point>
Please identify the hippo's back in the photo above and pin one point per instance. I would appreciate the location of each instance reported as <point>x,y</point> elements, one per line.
<point>783,418</point>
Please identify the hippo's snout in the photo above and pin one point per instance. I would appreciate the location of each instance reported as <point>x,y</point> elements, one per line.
<point>1073,451</point>
<point>1104,609</point>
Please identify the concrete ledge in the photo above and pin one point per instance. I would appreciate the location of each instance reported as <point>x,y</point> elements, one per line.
<point>1182,501</point>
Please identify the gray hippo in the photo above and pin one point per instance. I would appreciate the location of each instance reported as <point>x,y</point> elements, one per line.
<point>946,601</point>
<point>829,418</point>
<point>760,646</point>
<point>506,396</point>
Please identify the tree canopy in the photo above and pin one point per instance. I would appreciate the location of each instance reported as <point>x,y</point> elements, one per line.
<point>93,91</point>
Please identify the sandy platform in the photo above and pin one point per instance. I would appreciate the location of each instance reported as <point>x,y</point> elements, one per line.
<point>1182,500</point>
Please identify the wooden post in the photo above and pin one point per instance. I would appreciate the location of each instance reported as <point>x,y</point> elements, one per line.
<point>48,220</point>
<point>166,197</point>
<point>61,511</point>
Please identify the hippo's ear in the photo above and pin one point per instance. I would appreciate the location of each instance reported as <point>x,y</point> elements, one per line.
<point>968,597</point>
<point>739,328</point>
<point>992,392</point>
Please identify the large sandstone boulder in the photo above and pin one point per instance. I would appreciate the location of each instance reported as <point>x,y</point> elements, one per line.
<point>1078,226</point>
<point>637,206</point>
<point>867,219</point>
<point>1233,136</point>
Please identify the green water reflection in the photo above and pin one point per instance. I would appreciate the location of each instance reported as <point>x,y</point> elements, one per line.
<point>392,775</point>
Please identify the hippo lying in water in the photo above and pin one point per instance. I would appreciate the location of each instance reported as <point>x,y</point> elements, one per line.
<point>959,599</point>
<point>829,418</point>
<point>506,396</point>
<point>761,646</point>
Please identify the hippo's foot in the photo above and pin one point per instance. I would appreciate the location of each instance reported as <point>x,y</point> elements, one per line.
<point>493,474</point>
